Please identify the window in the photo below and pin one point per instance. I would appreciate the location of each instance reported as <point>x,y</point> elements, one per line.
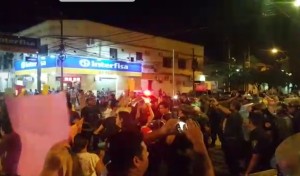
<point>139,56</point>
<point>181,63</point>
<point>167,62</point>
<point>113,53</point>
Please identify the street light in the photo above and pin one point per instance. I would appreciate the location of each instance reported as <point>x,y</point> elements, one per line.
<point>297,3</point>
<point>274,51</point>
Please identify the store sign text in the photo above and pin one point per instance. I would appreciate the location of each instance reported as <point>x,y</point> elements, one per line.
<point>97,64</point>
<point>87,63</point>
<point>81,63</point>
<point>25,65</point>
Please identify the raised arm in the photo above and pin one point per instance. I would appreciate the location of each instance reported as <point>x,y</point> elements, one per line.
<point>203,161</point>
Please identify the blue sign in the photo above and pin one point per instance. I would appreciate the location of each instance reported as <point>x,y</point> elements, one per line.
<point>81,63</point>
<point>30,59</point>
<point>20,65</point>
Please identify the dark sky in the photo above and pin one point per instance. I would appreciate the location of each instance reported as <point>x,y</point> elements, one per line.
<point>209,22</point>
<point>192,21</point>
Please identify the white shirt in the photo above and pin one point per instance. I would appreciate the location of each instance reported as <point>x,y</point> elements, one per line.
<point>88,162</point>
<point>107,113</point>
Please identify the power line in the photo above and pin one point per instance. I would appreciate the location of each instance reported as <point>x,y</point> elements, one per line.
<point>134,40</point>
<point>146,38</point>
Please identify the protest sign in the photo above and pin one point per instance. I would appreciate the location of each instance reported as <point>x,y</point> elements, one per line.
<point>41,121</point>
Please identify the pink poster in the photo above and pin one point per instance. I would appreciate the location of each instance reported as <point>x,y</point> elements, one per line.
<point>41,121</point>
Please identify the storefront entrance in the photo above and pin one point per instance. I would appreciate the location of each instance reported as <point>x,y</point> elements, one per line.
<point>106,85</point>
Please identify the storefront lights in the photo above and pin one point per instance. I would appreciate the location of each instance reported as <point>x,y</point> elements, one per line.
<point>202,78</point>
<point>175,97</point>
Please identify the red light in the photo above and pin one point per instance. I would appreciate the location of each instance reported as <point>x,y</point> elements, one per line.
<point>147,93</point>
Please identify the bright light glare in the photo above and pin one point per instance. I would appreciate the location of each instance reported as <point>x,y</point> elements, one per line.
<point>175,97</point>
<point>274,51</point>
<point>297,3</point>
<point>202,77</point>
<point>147,92</point>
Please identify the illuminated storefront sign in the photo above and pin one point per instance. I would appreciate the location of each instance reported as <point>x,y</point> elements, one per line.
<point>81,63</point>
<point>19,44</point>
<point>95,64</point>
<point>72,79</point>
<point>20,65</point>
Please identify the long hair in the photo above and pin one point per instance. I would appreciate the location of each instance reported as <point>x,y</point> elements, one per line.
<point>80,142</point>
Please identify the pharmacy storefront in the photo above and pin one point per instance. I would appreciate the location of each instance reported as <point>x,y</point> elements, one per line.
<point>82,73</point>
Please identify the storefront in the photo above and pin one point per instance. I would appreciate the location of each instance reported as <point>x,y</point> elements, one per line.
<point>81,72</point>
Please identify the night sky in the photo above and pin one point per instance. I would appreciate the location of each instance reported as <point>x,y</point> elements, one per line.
<point>212,23</point>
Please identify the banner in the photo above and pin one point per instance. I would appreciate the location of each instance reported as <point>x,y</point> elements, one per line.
<point>19,44</point>
<point>80,63</point>
<point>41,121</point>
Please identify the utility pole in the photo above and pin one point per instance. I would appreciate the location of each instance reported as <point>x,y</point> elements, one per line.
<point>173,72</point>
<point>39,73</point>
<point>194,68</point>
<point>61,56</point>
<point>229,66</point>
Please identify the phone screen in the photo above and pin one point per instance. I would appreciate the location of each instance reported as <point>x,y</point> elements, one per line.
<point>181,127</point>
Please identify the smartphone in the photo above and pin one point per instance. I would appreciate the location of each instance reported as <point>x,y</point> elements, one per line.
<point>181,126</point>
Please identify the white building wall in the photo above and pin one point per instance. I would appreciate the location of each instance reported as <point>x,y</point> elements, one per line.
<point>127,42</point>
<point>6,80</point>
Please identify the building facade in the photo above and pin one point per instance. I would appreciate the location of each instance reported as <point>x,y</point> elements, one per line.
<point>102,57</point>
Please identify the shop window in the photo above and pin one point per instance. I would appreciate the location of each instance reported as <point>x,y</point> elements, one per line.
<point>113,53</point>
<point>167,62</point>
<point>139,56</point>
<point>181,63</point>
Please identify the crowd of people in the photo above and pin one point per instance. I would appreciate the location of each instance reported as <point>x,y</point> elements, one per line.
<point>169,142</point>
<point>140,134</point>
<point>249,127</point>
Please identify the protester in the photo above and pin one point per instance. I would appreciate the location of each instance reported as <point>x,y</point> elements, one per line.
<point>90,163</point>
<point>262,146</point>
<point>232,137</point>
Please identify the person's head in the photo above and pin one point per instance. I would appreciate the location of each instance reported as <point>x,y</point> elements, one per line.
<point>288,155</point>
<point>125,121</point>
<point>132,94</point>
<point>183,97</point>
<point>164,108</point>
<point>186,111</point>
<point>112,96</point>
<point>91,101</point>
<point>282,109</point>
<point>255,120</point>
<point>128,154</point>
<point>235,106</point>
<point>165,99</point>
<point>293,106</point>
<point>80,143</point>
